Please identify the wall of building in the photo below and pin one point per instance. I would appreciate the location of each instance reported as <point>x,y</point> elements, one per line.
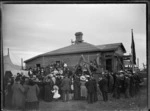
<point>33,62</point>
<point>71,59</point>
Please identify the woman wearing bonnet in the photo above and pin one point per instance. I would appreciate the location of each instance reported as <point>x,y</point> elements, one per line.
<point>83,87</point>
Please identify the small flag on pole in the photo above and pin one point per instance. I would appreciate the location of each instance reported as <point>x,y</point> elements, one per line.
<point>133,49</point>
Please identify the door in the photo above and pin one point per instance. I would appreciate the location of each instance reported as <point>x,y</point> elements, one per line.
<point>38,65</point>
<point>109,65</point>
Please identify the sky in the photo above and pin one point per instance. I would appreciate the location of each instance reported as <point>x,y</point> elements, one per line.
<point>32,29</point>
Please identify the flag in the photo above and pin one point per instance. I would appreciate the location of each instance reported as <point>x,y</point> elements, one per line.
<point>133,50</point>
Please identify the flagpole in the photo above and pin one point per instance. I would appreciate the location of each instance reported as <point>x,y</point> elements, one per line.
<point>132,50</point>
<point>133,55</point>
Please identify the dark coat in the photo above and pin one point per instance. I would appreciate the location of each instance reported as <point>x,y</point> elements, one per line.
<point>103,85</point>
<point>66,84</point>
<point>58,82</point>
<point>48,96</point>
<point>90,85</point>
<point>95,85</point>
<point>77,89</point>
<point>126,82</point>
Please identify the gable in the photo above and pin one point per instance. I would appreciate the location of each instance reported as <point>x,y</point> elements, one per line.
<point>119,51</point>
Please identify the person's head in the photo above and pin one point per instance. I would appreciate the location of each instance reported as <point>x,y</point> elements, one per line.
<point>18,74</point>
<point>17,80</point>
<point>9,80</point>
<point>66,76</point>
<point>100,78</point>
<point>31,82</point>
<point>26,80</point>
<point>49,77</point>
<point>8,74</point>
<point>88,78</point>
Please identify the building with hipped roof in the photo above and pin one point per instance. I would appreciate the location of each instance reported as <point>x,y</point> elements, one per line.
<point>110,55</point>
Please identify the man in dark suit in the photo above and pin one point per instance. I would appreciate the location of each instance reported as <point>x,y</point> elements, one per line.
<point>65,87</point>
<point>126,85</point>
<point>77,89</point>
<point>117,86</point>
<point>103,87</point>
<point>90,90</point>
<point>95,89</point>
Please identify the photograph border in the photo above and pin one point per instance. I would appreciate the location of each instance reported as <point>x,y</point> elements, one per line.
<point>84,2</point>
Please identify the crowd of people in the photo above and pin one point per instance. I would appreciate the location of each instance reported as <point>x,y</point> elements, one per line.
<point>57,82</point>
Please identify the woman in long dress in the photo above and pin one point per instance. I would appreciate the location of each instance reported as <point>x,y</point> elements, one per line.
<point>77,88</point>
<point>48,90</point>
<point>32,102</point>
<point>83,88</point>
<point>18,97</point>
<point>8,94</point>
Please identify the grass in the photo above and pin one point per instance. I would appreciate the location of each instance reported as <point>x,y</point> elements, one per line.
<point>139,102</point>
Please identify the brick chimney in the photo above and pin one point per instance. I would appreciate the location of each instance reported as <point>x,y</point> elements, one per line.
<point>78,37</point>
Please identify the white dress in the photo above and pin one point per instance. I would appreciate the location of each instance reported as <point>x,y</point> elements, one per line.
<point>56,94</point>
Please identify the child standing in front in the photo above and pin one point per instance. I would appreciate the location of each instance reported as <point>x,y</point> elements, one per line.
<point>56,95</point>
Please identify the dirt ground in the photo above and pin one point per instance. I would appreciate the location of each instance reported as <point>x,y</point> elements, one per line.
<point>139,102</point>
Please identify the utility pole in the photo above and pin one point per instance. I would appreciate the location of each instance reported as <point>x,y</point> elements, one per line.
<point>22,63</point>
<point>138,62</point>
<point>8,51</point>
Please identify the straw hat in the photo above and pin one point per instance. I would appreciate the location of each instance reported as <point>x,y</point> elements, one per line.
<point>50,75</point>
<point>121,71</point>
<point>65,65</point>
<point>83,78</point>
<point>87,76</point>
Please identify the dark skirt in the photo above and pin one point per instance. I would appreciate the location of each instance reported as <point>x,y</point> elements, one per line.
<point>8,97</point>
<point>8,100</point>
<point>77,95</point>
<point>32,105</point>
<point>48,93</point>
